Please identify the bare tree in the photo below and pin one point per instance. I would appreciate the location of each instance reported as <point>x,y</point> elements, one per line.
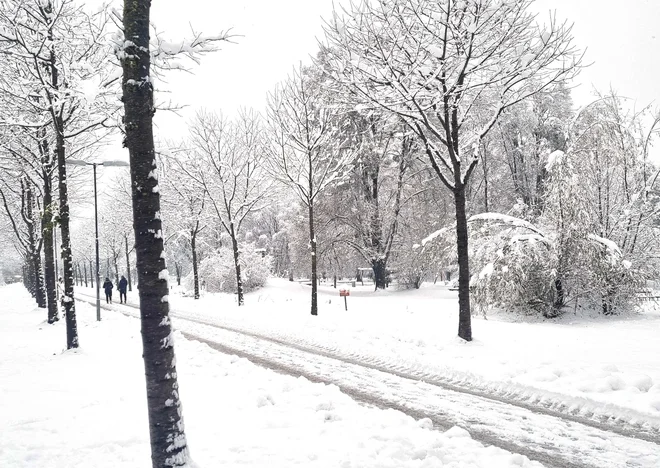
<point>168,441</point>
<point>449,69</point>
<point>306,153</point>
<point>185,206</point>
<point>59,51</point>
<point>231,173</point>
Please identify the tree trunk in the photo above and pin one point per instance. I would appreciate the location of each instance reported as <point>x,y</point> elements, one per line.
<point>47,227</point>
<point>91,273</point>
<point>39,281</point>
<point>85,273</point>
<point>128,263</point>
<point>193,248</point>
<point>116,270</point>
<point>65,251</point>
<point>168,441</point>
<point>177,270</point>
<point>464,317</point>
<point>312,243</point>
<point>378,266</point>
<point>237,265</point>
<point>38,291</point>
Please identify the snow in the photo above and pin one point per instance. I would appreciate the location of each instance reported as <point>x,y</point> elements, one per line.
<point>576,361</point>
<point>554,158</point>
<point>87,408</point>
<point>608,244</point>
<point>506,219</point>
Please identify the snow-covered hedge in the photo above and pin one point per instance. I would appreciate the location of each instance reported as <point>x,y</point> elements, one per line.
<point>219,273</point>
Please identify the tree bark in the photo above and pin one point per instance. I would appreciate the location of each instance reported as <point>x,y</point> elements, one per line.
<point>35,249</point>
<point>464,317</point>
<point>85,273</point>
<point>177,270</point>
<point>237,265</point>
<point>128,263</point>
<point>380,275</point>
<point>47,226</point>
<point>115,257</point>
<point>49,255</point>
<point>168,441</point>
<point>91,273</point>
<point>312,243</point>
<point>193,248</point>
<point>65,251</point>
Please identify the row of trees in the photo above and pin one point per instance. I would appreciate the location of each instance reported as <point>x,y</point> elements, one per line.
<point>417,120</point>
<point>405,99</point>
<point>61,94</point>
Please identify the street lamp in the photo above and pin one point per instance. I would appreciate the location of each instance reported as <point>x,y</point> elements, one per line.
<point>80,162</point>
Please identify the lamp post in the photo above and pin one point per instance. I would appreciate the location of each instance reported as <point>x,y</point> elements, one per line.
<point>80,162</point>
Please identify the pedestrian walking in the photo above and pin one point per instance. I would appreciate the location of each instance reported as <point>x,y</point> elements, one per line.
<point>107,287</point>
<point>123,283</point>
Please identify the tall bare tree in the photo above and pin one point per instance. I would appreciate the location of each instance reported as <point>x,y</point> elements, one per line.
<point>168,441</point>
<point>306,152</point>
<point>449,69</point>
<point>232,173</point>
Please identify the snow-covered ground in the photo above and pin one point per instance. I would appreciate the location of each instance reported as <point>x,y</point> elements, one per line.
<point>610,366</point>
<point>87,408</point>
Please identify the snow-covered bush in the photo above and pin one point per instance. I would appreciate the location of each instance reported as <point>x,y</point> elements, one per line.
<point>423,261</point>
<point>524,269</point>
<point>514,265</point>
<point>218,272</point>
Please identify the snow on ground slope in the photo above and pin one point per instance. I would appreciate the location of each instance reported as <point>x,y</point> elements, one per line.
<point>610,365</point>
<point>87,408</point>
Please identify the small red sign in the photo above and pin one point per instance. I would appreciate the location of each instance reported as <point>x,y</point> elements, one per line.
<point>344,292</point>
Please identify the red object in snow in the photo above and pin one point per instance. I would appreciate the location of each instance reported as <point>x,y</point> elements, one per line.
<point>344,292</point>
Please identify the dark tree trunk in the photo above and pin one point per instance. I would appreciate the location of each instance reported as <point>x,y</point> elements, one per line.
<point>168,441</point>
<point>65,251</point>
<point>237,266</point>
<point>559,301</point>
<point>115,257</point>
<point>39,281</point>
<point>91,273</point>
<point>464,317</point>
<point>26,275</point>
<point>85,273</point>
<point>47,226</point>
<point>34,245</point>
<point>128,263</point>
<point>380,273</point>
<point>193,248</point>
<point>334,281</point>
<point>177,270</point>
<point>312,243</point>
<point>49,271</point>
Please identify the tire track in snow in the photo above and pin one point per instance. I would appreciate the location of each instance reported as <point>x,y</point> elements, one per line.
<point>555,439</point>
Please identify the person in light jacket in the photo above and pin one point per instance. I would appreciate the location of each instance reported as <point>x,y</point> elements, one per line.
<point>107,287</point>
<point>123,283</point>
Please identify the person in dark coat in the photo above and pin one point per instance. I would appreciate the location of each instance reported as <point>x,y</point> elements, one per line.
<point>123,283</point>
<point>107,286</point>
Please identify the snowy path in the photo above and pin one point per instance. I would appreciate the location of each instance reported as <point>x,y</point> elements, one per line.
<point>557,441</point>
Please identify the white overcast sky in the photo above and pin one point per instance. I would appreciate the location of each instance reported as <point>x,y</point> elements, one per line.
<point>622,40</point>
